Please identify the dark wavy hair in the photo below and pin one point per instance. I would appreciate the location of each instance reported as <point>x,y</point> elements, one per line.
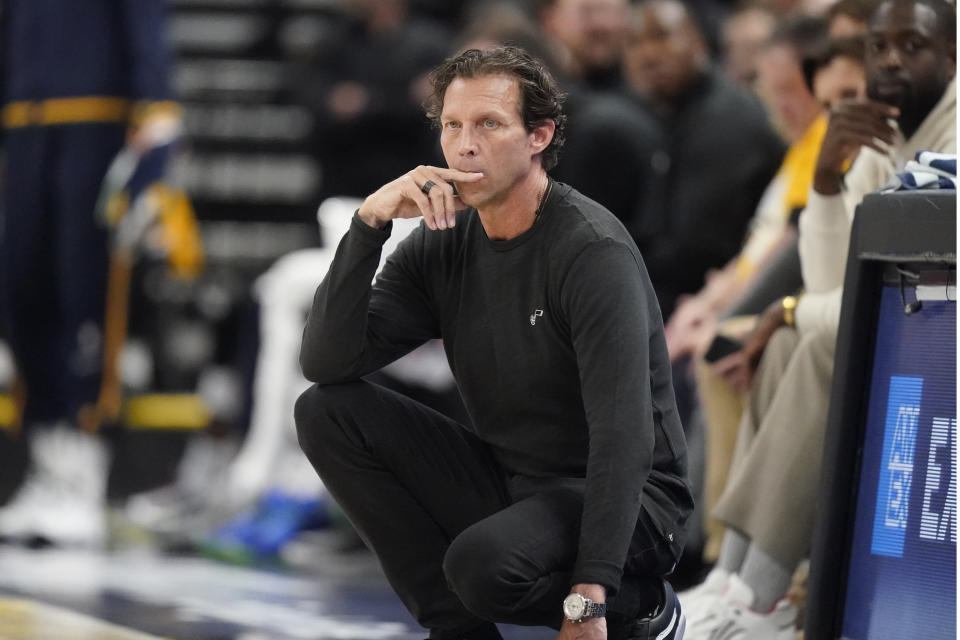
<point>853,48</point>
<point>540,98</point>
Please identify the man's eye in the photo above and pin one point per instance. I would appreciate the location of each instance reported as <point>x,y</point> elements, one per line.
<point>913,45</point>
<point>451,125</point>
<point>490,124</point>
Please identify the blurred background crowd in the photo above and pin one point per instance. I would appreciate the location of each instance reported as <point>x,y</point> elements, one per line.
<point>162,239</point>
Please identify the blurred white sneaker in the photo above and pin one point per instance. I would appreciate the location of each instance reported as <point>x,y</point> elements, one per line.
<point>701,603</point>
<point>714,585</point>
<point>733,619</point>
<point>742,623</point>
<point>63,498</point>
<point>192,505</point>
<point>17,517</point>
<point>72,522</point>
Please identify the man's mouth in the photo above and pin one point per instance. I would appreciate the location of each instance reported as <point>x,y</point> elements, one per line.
<point>891,88</point>
<point>654,70</point>
<point>466,185</point>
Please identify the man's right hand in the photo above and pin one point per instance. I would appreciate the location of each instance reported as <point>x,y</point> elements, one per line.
<point>686,325</point>
<point>738,368</point>
<point>405,198</point>
<point>853,124</point>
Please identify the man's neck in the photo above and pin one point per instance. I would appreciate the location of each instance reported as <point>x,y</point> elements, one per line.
<point>912,122</point>
<point>909,126</point>
<point>517,211</point>
<point>669,106</point>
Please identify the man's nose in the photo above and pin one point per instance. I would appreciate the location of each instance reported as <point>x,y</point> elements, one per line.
<point>649,49</point>
<point>468,142</point>
<point>892,58</point>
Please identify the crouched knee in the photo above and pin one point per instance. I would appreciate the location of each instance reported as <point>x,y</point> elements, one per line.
<point>486,576</point>
<point>316,416</point>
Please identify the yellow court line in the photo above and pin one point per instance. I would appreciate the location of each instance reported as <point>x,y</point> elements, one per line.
<point>22,619</point>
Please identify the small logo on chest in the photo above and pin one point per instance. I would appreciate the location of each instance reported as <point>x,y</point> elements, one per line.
<point>533,317</point>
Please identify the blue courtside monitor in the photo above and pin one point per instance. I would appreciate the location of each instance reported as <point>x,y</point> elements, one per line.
<point>902,571</point>
<point>883,563</point>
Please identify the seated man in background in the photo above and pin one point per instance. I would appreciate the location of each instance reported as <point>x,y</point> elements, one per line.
<point>769,502</point>
<point>745,33</point>
<point>695,221</point>
<point>799,116</point>
<point>692,327</point>
<point>849,18</point>
<point>566,504</point>
<point>587,37</point>
<point>838,72</point>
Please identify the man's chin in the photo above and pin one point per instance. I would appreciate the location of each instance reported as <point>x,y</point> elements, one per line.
<point>470,197</point>
<point>891,99</point>
<point>891,94</point>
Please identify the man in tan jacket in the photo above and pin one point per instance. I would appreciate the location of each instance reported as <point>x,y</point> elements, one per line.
<point>769,500</point>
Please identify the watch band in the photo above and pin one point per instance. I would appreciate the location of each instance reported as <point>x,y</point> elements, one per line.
<point>594,610</point>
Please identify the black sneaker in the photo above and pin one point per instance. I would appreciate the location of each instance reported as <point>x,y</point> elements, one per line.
<point>667,623</point>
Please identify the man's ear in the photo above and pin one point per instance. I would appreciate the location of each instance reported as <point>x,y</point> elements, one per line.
<point>541,137</point>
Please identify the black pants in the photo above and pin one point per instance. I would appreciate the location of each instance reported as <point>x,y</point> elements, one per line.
<point>462,543</point>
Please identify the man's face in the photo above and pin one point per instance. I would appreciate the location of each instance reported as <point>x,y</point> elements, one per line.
<point>781,85</point>
<point>664,51</point>
<point>593,30</point>
<point>744,35</point>
<point>908,62</point>
<point>483,131</point>
<point>842,79</point>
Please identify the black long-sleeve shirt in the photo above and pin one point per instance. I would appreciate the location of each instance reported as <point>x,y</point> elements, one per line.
<point>556,342</point>
<point>717,156</point>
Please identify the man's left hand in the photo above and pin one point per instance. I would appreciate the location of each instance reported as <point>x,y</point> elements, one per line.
<point>590,629</point>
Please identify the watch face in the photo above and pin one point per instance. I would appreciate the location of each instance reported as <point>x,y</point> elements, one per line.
<point>573,606</point>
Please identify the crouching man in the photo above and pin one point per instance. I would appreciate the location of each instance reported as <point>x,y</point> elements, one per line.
<point>565,503</point>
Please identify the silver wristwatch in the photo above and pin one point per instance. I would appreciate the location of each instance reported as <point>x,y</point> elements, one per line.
<point>576,608</point>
